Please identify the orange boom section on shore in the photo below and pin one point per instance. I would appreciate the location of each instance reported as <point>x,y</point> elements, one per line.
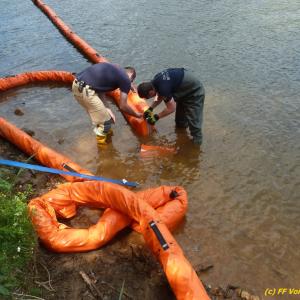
<point>161,208</point>
<point>47,156</point>
<point>133,206</point>
<point>138,104</point>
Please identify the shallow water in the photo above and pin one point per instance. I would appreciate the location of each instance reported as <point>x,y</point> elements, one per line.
<point>244,187</point>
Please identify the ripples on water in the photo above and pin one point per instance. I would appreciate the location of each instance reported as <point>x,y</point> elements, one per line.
<point>244,187</point>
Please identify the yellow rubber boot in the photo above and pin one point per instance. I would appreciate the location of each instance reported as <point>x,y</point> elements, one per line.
<point>101,139</point>
<point>104,138</point>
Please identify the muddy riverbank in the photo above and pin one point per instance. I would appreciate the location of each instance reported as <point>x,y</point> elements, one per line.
<point>100,274</point>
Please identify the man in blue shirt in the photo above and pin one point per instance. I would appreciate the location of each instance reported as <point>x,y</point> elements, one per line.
<point>89,88</point>
<point>181,91</point>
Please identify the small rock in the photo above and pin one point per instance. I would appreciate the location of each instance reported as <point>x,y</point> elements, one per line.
<point>19,112</point>
<point>218,291</point>
<point>230,291</point>
<point>245,295</point>
<point>60,141</point>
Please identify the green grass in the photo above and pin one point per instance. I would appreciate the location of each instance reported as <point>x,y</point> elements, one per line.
<point>122,290</point>
<point>17,238</point>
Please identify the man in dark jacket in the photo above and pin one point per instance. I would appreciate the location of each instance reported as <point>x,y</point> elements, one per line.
<point>89,88</point>
<point>181,91</point>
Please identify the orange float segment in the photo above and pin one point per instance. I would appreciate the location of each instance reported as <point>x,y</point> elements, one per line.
<point>43,154</point>
<point>171,207</point>
<point>171,210</point>
<point>138,104</point>
<point>65,199</point>
<point>58,237</point>
<point>33,77</point>
<point>61,238</point>
<point>180,274</point>
<point>79,43</point>
<point>152,150</point>
<point>50,158</point>
<point>139,125</point>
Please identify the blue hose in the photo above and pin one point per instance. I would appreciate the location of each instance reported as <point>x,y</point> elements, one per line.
<point>17,164</point>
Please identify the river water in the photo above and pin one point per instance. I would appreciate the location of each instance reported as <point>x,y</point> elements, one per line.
<point>244,187</point>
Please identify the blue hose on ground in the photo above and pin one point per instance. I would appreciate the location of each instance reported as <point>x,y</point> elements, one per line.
<point>22,165</point>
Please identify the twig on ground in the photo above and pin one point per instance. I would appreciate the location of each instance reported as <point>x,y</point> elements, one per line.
<point>27,297</point>
<point>45,284</point>
<point>91,285</point>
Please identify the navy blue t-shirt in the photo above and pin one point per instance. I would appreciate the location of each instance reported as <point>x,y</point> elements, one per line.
<point>167,82</point>
<point>105,77</point>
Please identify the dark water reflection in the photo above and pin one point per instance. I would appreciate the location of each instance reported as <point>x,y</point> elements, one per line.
<point>244,187</point>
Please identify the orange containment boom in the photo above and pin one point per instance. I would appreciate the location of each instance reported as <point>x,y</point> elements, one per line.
<point>138,104</point>
<point>171,212</point>
<point>152,150</point>
<point>15,81</point>
<point>133,206</point>
<point>150,212</point>
<point>43,154</point>
<point>139,125</point>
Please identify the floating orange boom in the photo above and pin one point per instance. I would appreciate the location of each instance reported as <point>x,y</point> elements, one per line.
<point>138,104</point>
<point>139,125</point>
<point>35,77</point>
<point>153,150</point>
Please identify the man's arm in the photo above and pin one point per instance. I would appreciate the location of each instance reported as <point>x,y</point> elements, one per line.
<point>170,108</point>
<point>126,108</point>
<point>157,100</point>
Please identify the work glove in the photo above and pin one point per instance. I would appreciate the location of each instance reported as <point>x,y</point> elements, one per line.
<point>148,112</point>
<point>152,119</point>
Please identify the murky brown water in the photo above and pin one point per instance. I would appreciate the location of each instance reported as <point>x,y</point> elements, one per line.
<point>244,188</point>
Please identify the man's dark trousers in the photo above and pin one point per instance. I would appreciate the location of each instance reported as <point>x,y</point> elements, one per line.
<point>189,99</point>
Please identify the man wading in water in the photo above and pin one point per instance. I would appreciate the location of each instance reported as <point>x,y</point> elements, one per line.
<point>181,91</point>
<point>89,88</point>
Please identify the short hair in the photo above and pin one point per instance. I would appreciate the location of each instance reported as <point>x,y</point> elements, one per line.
<point>144,88</point>
<point>132,70</point>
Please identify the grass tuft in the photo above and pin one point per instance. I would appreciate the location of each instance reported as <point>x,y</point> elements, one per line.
<point>17,238</point>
